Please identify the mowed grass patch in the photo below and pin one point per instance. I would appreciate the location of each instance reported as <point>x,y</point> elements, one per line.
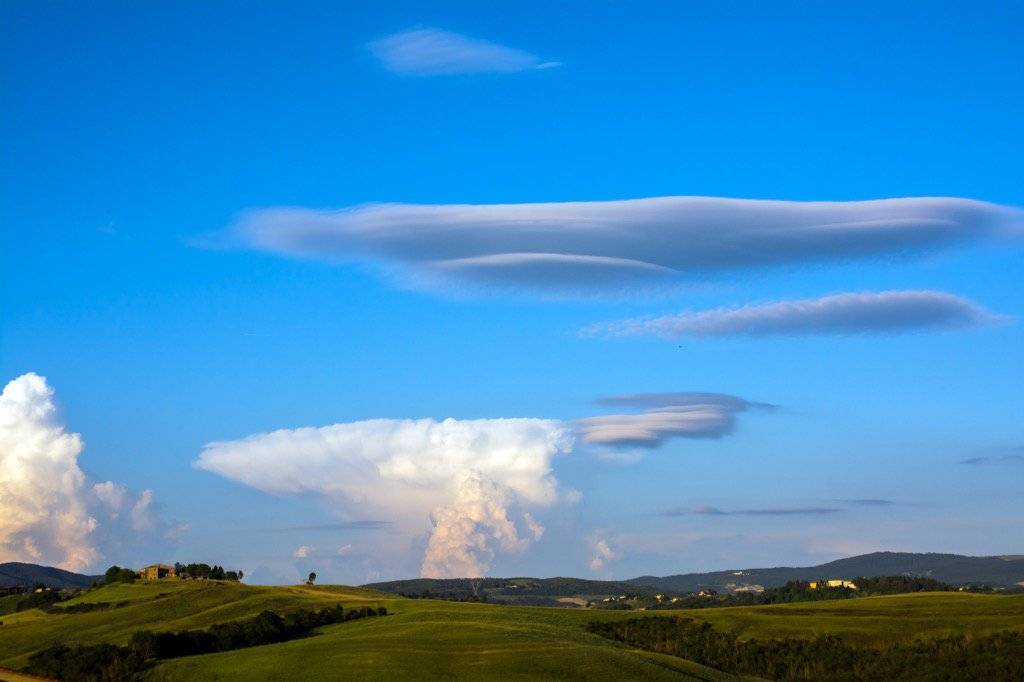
<point>425,639</point>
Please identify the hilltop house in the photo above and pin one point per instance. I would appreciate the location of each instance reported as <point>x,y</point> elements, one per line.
<point>833,583</point>
<point>157,571</point>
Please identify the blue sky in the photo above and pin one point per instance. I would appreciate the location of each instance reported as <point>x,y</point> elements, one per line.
<point>136,137</point>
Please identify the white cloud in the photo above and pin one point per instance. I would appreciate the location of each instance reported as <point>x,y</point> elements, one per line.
<point>570,246</point>
<point>686,415</point>
<point>460,482</point>
<point>112,495</point>
<point>302,552</point>
<point>49,512</point>
<point>602,554</point>
<point>850,313</point>
<point>142,513</point>
<point>433,52</point>
<point>44,516</point>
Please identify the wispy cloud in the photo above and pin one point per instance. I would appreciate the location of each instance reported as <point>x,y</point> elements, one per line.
<point>668,415</point>
<point>433,52</point>
<point>850,313</point>
<point>368,524</point>
<point>994,460</point>
<point>777,511</point>
<point>870,502</point>
<point>606,245</point>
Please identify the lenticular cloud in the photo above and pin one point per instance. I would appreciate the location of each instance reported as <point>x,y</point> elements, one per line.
<point>467,484</point>
<point>665,416</point>
<point>848,313</point>
<point>571,245</point>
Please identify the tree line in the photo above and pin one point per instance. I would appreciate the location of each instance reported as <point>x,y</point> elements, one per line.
<point>988,658</point>
<point>101,662</point>
<point>800,591</point>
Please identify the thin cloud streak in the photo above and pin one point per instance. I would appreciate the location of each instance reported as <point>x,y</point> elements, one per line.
<point>605,246</point>
<point>838,314</point>
<point>330,527</point>
<point>993,460</point>
<point>782,511</point>
<point>433,52</point>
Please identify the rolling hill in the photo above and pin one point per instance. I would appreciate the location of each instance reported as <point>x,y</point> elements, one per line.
<point>950,568</point>
<point>430,639</point>
<point>16,574</point>
<point>955,569</point>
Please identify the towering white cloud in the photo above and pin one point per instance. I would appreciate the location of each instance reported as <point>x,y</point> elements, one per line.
<point>43,495</point>
<point>50,513</point>
<point>465,483</point>
<point>581,245</point>
<point>433,52</point>
<point>851,313</point>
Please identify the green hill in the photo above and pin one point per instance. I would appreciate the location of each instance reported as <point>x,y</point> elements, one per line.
<point>428,639</point>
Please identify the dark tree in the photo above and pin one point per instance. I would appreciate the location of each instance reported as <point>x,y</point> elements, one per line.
<point>312,578</point>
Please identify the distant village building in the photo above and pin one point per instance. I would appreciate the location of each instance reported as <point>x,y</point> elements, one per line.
<point>157,571</point>
<point>833,583</point>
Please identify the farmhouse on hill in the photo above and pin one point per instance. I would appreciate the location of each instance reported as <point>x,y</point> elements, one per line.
<point>157,571</point>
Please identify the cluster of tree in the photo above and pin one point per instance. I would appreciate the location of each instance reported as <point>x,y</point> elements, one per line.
<point>994,657</point>
<point>81,607</point>
<point>800,591</point>
<point>206,571</point>
<point>101,662</point>
<point>446,596</point>
<point>117,574</point>
<point>42,598</point>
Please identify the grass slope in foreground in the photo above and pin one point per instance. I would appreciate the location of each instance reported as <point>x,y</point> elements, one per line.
<point>428,639</point>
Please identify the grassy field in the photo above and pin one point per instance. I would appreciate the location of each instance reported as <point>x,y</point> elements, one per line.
<point>429,639</point>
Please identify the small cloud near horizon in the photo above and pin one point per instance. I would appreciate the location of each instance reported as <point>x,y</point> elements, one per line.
<point>778,511</point>
<point>434,52</point>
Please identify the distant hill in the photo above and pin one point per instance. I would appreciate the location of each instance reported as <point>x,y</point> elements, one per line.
<point>16,574</point>
<point>950,568</point>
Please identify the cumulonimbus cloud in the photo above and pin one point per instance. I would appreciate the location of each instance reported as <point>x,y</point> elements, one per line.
<point>848,313</point>
<point>465,483</point>
<point>563,246</point>
<point>433,52</point>
<point>665,416</point>
<point>50,512</point>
